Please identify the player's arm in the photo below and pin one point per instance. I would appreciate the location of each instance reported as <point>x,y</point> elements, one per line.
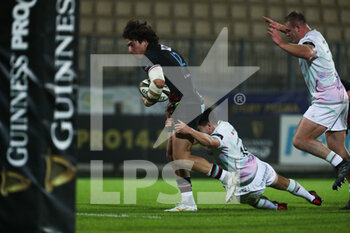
<point>168,125</point>
<point>305,51</point>
<point>157,81</point>
<point>274,24</point>
<point>202,138</point>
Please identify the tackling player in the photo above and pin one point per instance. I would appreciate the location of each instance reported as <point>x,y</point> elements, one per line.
<point>254,174</point>
<point>141,39</point>
<point>329,109</point>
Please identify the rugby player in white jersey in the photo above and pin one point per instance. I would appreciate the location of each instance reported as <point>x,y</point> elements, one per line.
<point>329,109</point>
<point>254,175</point>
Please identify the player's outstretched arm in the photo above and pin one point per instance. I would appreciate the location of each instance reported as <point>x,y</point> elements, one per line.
<point>202,138</point>
<point>275,25</point>
<point>307,52</point>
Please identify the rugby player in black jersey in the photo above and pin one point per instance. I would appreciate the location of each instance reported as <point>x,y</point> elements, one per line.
<point>141,39</point>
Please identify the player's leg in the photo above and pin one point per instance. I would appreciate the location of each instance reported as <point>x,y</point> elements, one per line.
<point>169,149</point>
<point>184,184</point>
<point>290,185</point>
<point>264,176</point>
<point>305,138</point>
<point>316,120</point>
<point>182,151</point>
<point>336,142</point>
<point>257,200</point>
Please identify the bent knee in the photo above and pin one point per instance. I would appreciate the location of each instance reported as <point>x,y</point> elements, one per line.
<point>299,142</point>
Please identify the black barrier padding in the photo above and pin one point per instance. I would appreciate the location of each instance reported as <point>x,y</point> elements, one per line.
<point>37,187</point>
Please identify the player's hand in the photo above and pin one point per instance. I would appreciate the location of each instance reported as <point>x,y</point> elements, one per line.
<point>276,38</point>
<point>146,102</point>
<point>181,127</point>
<point>274,24</point>
<point>169,122</point>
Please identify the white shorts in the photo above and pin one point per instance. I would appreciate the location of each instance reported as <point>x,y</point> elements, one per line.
<point>265,176</point>
<point>332,116</point>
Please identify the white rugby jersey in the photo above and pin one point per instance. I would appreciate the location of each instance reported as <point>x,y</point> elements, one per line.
<point>232,153</point>
<point>320,74</point>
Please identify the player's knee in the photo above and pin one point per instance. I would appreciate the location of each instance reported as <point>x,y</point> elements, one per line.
<point>298,143</point>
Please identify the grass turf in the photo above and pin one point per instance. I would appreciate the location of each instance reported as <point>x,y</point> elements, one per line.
<point>148,215</point>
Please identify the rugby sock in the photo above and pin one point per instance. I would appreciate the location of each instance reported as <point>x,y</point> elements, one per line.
<point>296,189</point>
<point>185,187</point>
<point>217,172</point>
<point>266,204</point>
<point>334,159</point>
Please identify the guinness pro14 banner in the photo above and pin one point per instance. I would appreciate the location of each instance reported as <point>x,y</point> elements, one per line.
<point>38,72</point>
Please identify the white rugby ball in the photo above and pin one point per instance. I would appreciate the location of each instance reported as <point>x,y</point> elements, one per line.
<point>144,86</point>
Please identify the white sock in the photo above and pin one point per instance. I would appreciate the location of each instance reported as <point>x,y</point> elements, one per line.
<point>223,175</point>
<point>226,177</point>
<point>334,159</point>
<point>266,204</point>
<point>187,198</point>
<point>296,189</point>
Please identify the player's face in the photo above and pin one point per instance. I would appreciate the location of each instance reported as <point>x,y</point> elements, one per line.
<point>135,47</point>
<point>205,129</point>
<point>292,32</point>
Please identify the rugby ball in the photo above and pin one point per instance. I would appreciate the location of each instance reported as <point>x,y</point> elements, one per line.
<point>144,86</point>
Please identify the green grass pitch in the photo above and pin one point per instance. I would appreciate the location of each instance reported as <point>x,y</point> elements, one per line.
<point>148,215</point>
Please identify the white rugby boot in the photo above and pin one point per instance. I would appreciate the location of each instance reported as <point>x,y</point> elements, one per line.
<point>230,184</point>
<point>181,207</point>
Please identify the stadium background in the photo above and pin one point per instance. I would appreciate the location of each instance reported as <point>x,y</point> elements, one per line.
<point>45,66</point>
<point>276,96</point>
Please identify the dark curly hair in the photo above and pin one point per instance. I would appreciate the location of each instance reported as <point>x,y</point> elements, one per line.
<point>134,30</point>
<point>295,17</point>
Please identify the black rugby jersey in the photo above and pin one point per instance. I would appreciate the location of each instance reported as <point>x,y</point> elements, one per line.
<point>165,56</point>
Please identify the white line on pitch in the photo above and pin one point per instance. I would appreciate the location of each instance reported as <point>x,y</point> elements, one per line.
<point>114,215</point>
